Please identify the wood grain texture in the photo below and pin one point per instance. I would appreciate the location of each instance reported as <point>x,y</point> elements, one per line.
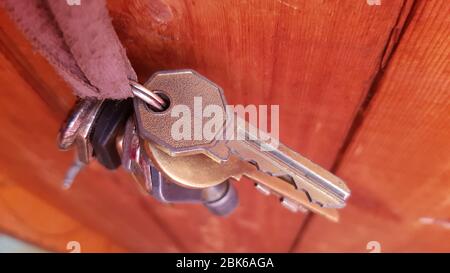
<point>34,68</point>
<point>398,164</point>
<point>26,216</point>
<point>316,59</point>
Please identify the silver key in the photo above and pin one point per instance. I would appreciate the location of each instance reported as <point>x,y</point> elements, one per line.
<point>182,87</point>
<point>74,133</point>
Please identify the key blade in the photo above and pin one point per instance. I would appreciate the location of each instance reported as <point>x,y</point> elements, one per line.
<point>287,156</point>
<point>199,171</point>
<point>286,190</point>
<point>72,172</point>
<point>322,187</point>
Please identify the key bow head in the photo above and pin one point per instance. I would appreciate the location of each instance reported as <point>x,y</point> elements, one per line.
<point>194,103</point>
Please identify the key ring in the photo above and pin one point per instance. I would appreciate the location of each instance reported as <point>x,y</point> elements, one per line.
<point>147,95</point>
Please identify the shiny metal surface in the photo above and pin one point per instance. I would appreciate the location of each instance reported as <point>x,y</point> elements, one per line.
<point>199,171</point>
<point>182,87</point>
<point>72,172</point>
<point>76,129</point>
<point>151,181</point>
<point>321,186</point>
<point>75,132</point>
<point>221,199</point>
<point>147,95</point>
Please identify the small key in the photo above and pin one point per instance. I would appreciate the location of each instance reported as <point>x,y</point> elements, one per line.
<point>77,127</point>
<point>93,128</point>
<point>275,167</point>
<point>75,131</point>
<point>220,199</point>
<point>199,171</point>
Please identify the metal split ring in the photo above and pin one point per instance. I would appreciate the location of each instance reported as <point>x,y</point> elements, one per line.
<point>147,95</point>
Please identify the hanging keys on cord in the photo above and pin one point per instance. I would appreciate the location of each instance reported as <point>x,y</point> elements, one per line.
<point>78,129</point>
<point>107,133</point>
<point>136,134</point>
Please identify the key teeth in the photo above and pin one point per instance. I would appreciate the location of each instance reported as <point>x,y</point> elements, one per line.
<point>295,207</point>
<point>292,205</point>
<point>308,195</point>
<point>287,203</point>
<point>262,189</point>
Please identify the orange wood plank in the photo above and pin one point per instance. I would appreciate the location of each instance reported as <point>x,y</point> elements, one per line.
<point>316,59</point>
<point>26,216</point>
<point>34,68</point>
<point>398,162</point>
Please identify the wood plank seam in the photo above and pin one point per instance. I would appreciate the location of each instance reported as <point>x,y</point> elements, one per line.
<point>301,232</point>
<point>385,58</point>
<point>397,163</point>
<point>406,13</point>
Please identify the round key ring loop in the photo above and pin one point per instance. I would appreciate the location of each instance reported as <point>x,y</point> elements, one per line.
<point>147,95</point>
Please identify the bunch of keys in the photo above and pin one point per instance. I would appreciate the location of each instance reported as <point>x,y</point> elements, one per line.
<point>137,134</point>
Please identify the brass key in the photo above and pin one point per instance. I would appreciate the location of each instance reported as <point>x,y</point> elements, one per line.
<point>276,169</point>
<point>199,171</point>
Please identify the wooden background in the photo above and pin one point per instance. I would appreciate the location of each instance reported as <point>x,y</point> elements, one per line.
<point>364,90</point>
